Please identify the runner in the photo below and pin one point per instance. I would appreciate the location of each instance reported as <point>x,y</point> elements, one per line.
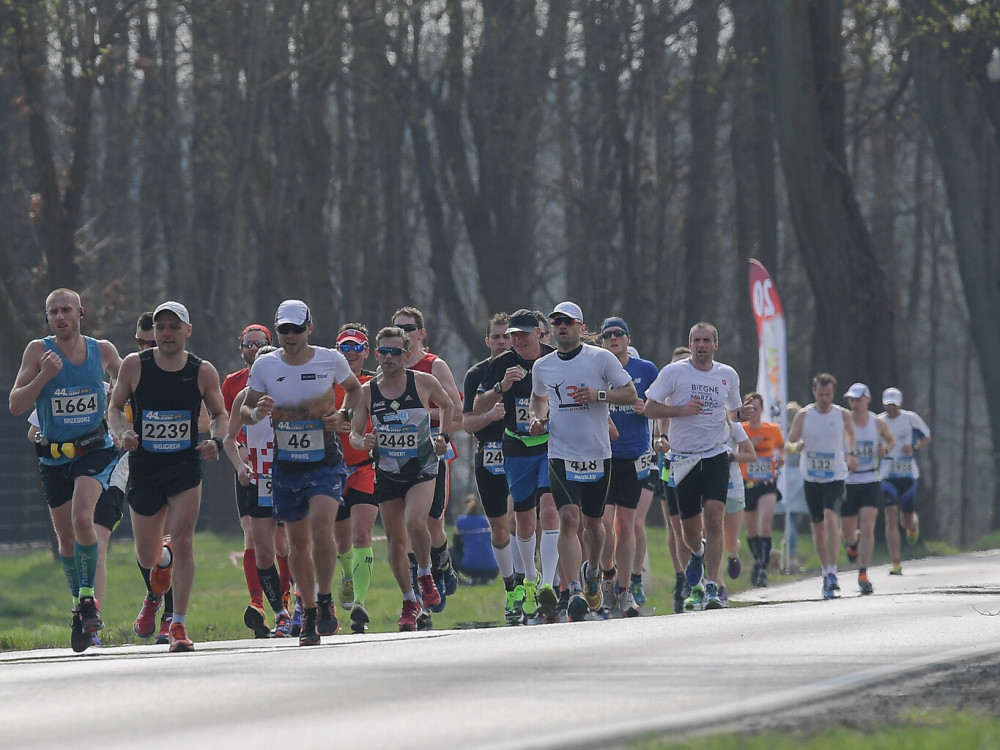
<point>570,393</point>
<point>62,375</point>
<point>760,478</point>
<point>166,386</point>
<point>398,402</point>
<point>696,394</point>
<point>632,462</point>
<point>295,386</point>
<point>820,432</point>
<point>356,516</point>
<point>899,483</point>
<point>863,486</point>
<point>508,381</point>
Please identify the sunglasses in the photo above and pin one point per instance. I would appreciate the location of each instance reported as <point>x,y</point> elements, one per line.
<point>347,347</point>
<point>253,344</point>
<point>409,327</point>
<point>291,328</point>
<point>391,351</point>
<point>616,332</point>
<point>144,343</point>
<point>563,321</point>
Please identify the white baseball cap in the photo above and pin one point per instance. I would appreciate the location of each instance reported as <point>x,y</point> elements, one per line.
<point>293,311</point>
<point>569,309</point>
<point>892,396</point>
<point>858,390</point>
<point>176,308</point>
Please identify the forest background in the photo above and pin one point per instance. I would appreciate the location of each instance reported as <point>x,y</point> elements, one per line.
<point>473,156</point>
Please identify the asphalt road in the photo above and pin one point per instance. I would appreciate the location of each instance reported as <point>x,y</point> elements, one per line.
<point>571,685</point>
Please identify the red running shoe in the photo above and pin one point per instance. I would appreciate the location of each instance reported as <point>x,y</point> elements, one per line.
<point>145,623</point>
<point>429,594</point>
<point>179,640</point>
<point>163,634</point>
<point>407,621</point>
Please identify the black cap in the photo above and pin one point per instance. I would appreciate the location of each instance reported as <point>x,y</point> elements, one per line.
<point>523,321</point>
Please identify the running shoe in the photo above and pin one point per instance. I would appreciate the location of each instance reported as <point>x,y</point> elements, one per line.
<point>297,613</point>
<point>592,587</point>
<point>450,579</point>
<point>637,591</point>
<point>627,603</point>
<point>359,618</point>
<point>828,593</point>
<point>308,636</point>
<point>345,592</point>
<point>548,600</point>
<point>723,596</point>
<point>864,584</point>
<point>529,600</point>
<point>912,537</point>
<point>695,569</point>
<point>145,622</point>
<point>439,584</point>
<point>512,613</point>
<point>712,600</point>
<point>90,617</point>
<point>695,602</point>
<point>179,640</point>
<point>326,618</point>
<point>160,578</point>
<point>832,578</point>
<point>78,640</point>
<point>609,593</point>
<point>429,594</point>
<point>282,626</point>
<point>253,618</point>
<point>896,570</point>
<point>734,567</point>
<point>852,553</point>
<point>95,641</point>
<point>424,620</point>
<point>163,634</point>
<point>407,621</point>
<point>562,608</point>
<point>578,606</point>
<point>679,597</point>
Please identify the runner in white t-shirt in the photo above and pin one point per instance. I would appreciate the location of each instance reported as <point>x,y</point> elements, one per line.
<point>696,394</point>
<point>571,389</point>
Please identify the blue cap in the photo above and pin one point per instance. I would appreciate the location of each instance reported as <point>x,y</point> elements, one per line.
<point>614,323</point>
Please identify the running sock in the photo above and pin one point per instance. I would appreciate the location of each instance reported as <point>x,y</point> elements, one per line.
<point>145,577</point>
<point>253,578</point>
<point>182,619</point>
<point>270,583</point>
<point>509,584</point>
<point>85,557</point>
<point>701,550</point>
<point>550,555</point>
<point>362,562</point>
<point>409,596</point>
<point>170,557</point>
<point>765,551</point>
<point>346,560</point>
<point>421,571</point>
<point>505,560</point>
<point>526,551</point>
<point>440,561</point>
<point>286,576</point>
<point>610,574</point>
<point>168,603</point>
<point>69,570</point>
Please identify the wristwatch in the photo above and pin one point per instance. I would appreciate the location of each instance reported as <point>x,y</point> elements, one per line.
<point>602,395</point>
<point>498,389</point>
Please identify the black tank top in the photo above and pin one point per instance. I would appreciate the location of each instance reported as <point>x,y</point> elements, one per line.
<point>402,425</point>
<point>165,408</point>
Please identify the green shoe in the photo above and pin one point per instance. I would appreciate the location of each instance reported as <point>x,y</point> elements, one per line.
<point>529,604</point>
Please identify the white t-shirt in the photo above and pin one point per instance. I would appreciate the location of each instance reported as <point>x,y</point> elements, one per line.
<point>906,428</point>
<point>707,433</point>
<point>578,432</point>
<point>823,457</point>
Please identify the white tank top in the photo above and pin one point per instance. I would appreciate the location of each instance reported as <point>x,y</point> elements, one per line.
<point>867,451</point>
<point>823,455</point>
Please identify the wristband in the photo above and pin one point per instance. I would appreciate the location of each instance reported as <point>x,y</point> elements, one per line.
<point>218,443</point>
<point>254,415</point>
<point>446,436</point>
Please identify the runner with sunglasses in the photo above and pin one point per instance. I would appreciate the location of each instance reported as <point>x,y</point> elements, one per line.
<point>398,402</point>
<point>419,357</point>
<point>295,385</point>
<point>356,517</point>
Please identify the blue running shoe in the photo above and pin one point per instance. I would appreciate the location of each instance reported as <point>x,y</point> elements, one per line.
<point>450,580</point>
<point>679,594</point>
<point>577,608</point>
<point>712,600</point>
<point>637,591</point>
<point>296,629</point>
<point>832,578</point>
<point>439,584</point>
<point>695,569</point>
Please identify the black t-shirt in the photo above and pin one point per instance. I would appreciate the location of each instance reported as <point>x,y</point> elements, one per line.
<point>516,401</point>
<point>493,432</point>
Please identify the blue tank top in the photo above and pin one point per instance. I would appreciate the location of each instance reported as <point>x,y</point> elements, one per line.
<point>74,402</point>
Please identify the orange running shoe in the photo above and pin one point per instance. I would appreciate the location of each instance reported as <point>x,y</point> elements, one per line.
<point>159,578</point>
<point>179,640</point>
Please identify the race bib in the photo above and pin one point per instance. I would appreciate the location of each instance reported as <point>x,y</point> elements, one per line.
<point>77,406</point>
<point>166,431</point>
<point>644,464</point>
<point>300,441</point>
<point>265,491</point>
<point>584,471</point>
<point>900,467</point>
<point>680,467</point>
<point>760,470</point>
<point>493,458</point>
<point>521,415</point>
<point>397,440</point>
<point>819,465</point>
